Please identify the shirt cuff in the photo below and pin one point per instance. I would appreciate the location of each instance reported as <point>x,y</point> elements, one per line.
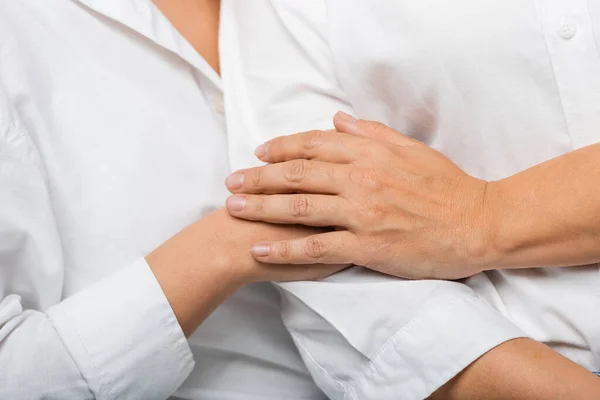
<point>124,336</point>
<point>445,338</point>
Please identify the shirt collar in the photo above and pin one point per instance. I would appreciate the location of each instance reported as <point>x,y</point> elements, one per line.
<point>143,17</point>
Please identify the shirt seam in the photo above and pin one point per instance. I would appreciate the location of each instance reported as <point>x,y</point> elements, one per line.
<point>370,369</point>
<point>554,78</point>
<point>308,355</point>
<point>92,364</point>
<point>593,27</point>
<point>394,343</point>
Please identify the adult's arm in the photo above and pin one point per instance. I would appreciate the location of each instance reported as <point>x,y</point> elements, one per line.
<point>441,222</point>
<point>546,215</point>
<point>123,337</point>
<point>521,370</point>
<point>362,335</point>
<point>116,339</point>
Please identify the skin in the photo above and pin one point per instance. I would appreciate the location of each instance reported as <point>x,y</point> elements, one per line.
<point>404,209</point>
<point>194,290</point>
<point>349,180</point>
<point>518,370</point>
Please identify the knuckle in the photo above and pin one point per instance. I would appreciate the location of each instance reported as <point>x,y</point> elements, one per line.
<point>314,248</point>
<point>371,179</point>
<point>259,204</point>
<point>314,139</point>
<point>376,151</point>
<point>296,171</point>
<point>377,127</point>
<point>376,212</point>
<point>255,177</point>
<point>283,250</point>
<point>366,149</point>
<point>365,152</point>
<point>300,207</point>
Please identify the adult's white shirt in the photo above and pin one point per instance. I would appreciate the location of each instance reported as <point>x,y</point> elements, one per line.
<point>112,138</point>
<point>497,86</point>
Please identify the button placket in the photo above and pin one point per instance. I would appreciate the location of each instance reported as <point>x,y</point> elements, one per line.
<point>219,103</point>
<point>569,35</point>
<point>567,28</point>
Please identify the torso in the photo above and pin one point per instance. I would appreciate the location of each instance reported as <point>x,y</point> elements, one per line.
<point>132,137</point>
<point>497,86</point>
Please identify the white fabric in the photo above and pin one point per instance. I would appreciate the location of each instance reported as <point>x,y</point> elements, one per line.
<point>112,140</point>
<point>497,86</point>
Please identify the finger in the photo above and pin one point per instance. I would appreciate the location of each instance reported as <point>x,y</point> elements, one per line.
<point>371,129</point>
<point>340,247</point>
<point>331,146</point>
<point>289,177</point>
<point>304,209</point>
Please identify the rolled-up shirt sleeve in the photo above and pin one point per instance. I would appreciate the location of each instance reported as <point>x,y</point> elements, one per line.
<point>362,335</point>
<point>116,339</point>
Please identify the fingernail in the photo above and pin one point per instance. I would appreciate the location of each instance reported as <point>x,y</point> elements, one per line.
<point>261,250</point>
<point>352,127</point>
<point>261,150</point>
<point>235,181</point>
<point>236,203</point>
<point>346,117</point>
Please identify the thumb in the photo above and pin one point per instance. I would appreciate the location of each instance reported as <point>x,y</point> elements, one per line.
<point>370,129</point>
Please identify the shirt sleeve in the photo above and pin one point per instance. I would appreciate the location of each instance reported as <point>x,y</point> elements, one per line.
<point>117,339</point>
<point>362,335</point>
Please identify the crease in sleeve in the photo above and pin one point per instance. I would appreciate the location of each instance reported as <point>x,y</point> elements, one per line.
<point>433,348</point>
<point>424,344</point>
<point>124,336</point>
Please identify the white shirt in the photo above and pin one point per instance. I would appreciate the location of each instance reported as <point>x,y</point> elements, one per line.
<point>112,139</point>
<point>495,86</point>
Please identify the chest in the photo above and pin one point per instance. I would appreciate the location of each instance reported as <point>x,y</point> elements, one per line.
<point>198,22</point>
<point>506,84</point>
<point>126,129</point>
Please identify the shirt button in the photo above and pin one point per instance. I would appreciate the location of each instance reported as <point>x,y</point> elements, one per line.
<point>219,104</point>
<point>567,28</point>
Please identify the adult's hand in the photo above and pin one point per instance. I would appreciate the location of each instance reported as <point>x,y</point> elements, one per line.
<point>202,265</point>
<point>398,206</point>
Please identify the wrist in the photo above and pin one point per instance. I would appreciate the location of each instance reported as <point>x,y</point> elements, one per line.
<point>491,242</point>
<point>194,282</point>
<point>479,233</point>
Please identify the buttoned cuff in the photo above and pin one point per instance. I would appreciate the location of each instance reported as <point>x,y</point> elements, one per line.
<point>445,338</point>
<point>124,337</point>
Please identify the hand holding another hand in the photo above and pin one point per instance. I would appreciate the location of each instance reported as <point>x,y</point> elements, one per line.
<point>399,206</point>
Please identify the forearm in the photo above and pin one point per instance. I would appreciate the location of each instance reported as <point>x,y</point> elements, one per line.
<point>548,215</point>
<point>201,266</point>
<point>193,291</point>
<point>521,370</point>
<point>208,261</point>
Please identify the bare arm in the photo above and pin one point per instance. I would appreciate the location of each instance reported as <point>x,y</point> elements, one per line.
<point>86,338</point>
<point>195,289</point>
<point>547,215</point>
<point>440,222</point>
<point>521,370</point>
